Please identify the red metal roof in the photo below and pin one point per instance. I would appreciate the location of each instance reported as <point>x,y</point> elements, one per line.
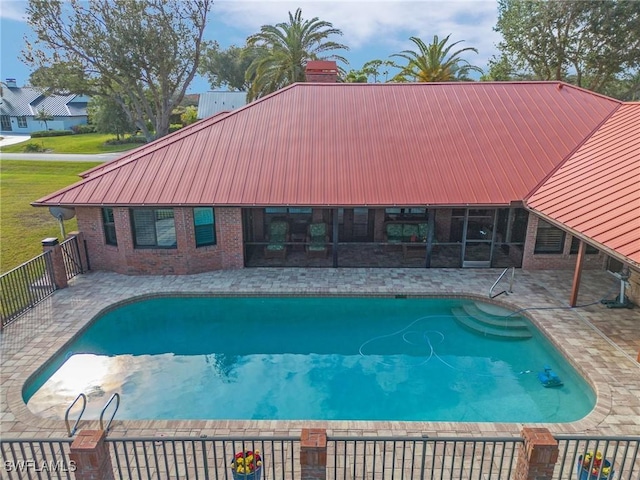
<point>596,192</point>
<point>358,144</point>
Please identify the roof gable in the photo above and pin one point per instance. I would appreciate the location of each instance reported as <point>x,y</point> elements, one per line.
<point>596,192</point>
<point>358,144</point>
<point>28,101</point>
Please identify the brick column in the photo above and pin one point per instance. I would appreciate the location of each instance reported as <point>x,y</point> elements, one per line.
<point>58,273</point>
<point>91,456</point>
<point>313,454</point>
<point>539,455</point>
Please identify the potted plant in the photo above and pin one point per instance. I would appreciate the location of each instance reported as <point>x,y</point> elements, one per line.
<point>594,467</point>
<point>247,465</point>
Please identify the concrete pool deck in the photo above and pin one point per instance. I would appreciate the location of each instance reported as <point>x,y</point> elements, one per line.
<point>601,343</point>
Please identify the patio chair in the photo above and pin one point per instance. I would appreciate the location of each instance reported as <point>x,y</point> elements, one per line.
<point>277,236</point>
<point>317,240</point>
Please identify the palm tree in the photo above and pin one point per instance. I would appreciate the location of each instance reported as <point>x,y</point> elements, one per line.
<point>434,62</point>
<point>43,116</point>
<point>286,49</point>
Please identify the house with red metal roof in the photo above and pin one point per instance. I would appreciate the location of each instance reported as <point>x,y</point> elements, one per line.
<point>537,175</point>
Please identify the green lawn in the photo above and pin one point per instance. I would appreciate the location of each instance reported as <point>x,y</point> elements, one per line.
<point>22,227</point>
<point>82,143</point>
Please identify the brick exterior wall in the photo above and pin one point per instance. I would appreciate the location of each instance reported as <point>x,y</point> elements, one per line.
<point>555,261</point>
<point>185,259</point>
<point>228,253</point>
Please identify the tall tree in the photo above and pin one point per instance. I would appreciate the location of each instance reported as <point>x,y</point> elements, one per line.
<point>586,43</point>
<point>228,68</point>
<point>286,49</point>
<point>141,53</point>
<point>435,62</point>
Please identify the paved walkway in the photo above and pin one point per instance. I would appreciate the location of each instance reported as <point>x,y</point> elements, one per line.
<point>61,157</point>
<point>8,139</point>
<point>601,343</point>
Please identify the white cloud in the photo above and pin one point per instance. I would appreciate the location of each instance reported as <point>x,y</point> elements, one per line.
<point>387,23</point>
<point>12,10</point>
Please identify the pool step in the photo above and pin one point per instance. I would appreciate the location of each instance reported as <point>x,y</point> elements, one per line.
<point>499,319</point>
<point>485,325</point>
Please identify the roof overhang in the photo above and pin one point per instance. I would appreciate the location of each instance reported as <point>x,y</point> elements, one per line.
<point>609,251</point>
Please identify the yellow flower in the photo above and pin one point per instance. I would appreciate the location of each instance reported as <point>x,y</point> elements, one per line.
<point>605,471</point>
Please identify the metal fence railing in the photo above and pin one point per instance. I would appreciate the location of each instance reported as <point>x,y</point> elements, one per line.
<point>37,458</point>
<point>579,455</point>
<point>71,257</point>
<point>28,284</point>
<point>367,458</point>
<point>424,458</point>
<point>200,458</point>
<point>25,286</point>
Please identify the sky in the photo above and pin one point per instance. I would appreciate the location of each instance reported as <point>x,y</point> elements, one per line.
<point>373,29</point>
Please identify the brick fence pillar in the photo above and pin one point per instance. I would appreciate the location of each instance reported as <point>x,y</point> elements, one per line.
<point>90,454</point>
<point>313,454</point>
<point>538,457</point>
<point>59,272</point>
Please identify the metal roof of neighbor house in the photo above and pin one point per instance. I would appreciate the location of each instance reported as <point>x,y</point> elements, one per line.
<point>211,103</point>
<point>596,192</point>
<point>358,145</point>
<point>27,101</point>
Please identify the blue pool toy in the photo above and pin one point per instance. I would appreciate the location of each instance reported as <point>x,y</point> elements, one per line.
<point>548,378</point>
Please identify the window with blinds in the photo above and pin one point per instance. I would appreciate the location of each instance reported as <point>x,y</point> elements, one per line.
<point>549,239</point>
<point>153,228</point>
<point>204,226</point>
<point>575,245</point>
<point>109,226</point>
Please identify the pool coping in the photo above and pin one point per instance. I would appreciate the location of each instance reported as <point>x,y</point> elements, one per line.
<point>617,409</point>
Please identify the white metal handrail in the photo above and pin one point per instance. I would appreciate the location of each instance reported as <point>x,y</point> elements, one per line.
<point>71,431</point>
<point>115,396</point>
<point>504,272</point>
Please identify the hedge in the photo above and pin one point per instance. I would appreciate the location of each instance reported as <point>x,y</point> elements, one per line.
<point>51,133</point>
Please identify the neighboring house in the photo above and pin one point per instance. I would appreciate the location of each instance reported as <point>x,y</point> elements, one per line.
<point>20,106</point>
<point>522,174</point>
<point>212,103</point>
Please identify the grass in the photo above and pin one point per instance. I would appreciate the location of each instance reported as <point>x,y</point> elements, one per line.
<point>22,227</point>
<point>82,143</point>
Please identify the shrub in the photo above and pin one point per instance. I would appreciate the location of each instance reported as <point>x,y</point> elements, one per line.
<point>174,127</point>
<point>125,141</point>
<point>80,129</point>
<point>32,147</point>
<point>51,133</point>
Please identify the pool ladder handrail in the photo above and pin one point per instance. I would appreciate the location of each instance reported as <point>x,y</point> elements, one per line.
<point>70,431</point>
<point>115,396</point>
<point>513,273</point>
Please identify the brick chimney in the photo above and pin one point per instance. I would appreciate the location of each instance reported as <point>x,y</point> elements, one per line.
<point>322,71</point>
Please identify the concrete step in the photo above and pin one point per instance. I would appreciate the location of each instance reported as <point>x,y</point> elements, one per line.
<point>488,330</point>
<point>499,320</point>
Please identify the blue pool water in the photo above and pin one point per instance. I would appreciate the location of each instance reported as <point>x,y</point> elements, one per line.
<point>308,358</point>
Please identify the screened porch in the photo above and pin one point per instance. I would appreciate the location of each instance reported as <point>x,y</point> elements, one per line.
<point>384,237</point>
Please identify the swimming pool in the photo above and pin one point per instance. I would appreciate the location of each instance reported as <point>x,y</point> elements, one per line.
<point>313,358</point>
